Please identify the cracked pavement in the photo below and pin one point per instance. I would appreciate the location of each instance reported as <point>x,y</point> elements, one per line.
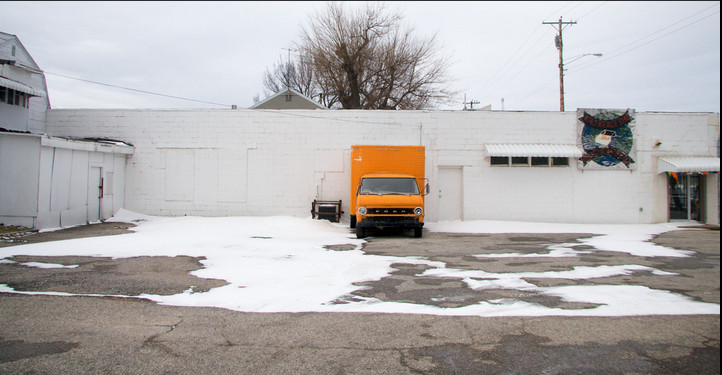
<point>55,334</point>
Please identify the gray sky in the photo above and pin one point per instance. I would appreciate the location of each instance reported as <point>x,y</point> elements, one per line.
<point>657,56</point>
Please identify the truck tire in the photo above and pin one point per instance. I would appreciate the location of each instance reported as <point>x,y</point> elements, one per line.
<point>418,231</point>
<point>360,232</point>
<point>353,221</point>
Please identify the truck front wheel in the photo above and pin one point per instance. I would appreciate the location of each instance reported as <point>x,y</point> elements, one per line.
<point>360,232</point>
<point>418,232</point>
<point>353,221</point>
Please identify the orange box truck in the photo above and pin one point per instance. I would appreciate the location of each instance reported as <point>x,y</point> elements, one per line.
<point>387,188</point>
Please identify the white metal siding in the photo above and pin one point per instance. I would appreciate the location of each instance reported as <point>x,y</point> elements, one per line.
<point>19,163</point>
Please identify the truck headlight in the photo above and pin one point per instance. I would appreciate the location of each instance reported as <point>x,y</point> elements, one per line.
<point>362,210</point>
<point>418,211</point>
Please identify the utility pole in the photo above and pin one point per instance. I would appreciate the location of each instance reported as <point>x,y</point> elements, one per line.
<point>559,26</point>
<point>288,68</point>
<point>470,103</point>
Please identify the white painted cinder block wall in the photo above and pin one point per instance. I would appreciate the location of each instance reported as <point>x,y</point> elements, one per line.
<point>265,162</point>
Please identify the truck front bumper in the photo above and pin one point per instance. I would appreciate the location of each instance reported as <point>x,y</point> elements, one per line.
<point>390,222</point>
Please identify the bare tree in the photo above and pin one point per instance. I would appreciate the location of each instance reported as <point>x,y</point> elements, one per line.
<point>289,74</point>
<point>361,59</point>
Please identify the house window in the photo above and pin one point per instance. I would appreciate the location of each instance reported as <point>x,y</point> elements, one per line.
<point>10,97</point>
<point>13,97</point>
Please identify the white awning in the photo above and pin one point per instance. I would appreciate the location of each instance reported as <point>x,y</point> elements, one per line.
<point>543,150</point>
<point>687,164</point>
<point>15,85</point>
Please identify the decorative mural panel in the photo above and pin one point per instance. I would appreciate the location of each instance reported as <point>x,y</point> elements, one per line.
<point>607,138</point>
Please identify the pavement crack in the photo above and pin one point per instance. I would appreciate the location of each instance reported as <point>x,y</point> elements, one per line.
<point>227,342</point>
<point>154,341</point>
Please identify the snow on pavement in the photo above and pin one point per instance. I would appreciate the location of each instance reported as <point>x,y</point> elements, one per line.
<point>280,264</point>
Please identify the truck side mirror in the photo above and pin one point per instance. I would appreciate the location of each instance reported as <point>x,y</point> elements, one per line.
<point>427,188</point>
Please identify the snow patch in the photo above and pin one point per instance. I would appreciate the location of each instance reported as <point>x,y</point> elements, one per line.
<point>282,264</point>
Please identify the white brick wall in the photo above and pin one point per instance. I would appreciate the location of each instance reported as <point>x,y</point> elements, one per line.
<point>264,162</point>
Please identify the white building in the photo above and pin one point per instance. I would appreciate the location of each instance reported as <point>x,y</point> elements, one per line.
<point>49,182</point>
<point>64,167</point>
<point>522,166</point>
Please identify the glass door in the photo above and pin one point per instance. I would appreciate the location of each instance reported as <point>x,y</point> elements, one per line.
<point>684,197</point>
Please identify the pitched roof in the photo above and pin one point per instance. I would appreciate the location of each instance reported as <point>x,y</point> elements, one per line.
<point>22,56</point>
<point>288,99</point>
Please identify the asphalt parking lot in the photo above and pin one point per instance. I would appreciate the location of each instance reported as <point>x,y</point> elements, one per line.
<point>51,334</point>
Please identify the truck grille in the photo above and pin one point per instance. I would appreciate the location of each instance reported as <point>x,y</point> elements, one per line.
<point>390,211</point>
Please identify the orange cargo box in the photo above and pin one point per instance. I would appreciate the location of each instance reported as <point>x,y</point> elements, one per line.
<point>367,159</point>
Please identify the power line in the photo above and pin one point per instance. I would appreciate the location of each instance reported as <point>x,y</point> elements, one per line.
<point>507,68</point>
<point>537,89</point>
<point>137,90</point>
<point>597,7</point>
<point>667,27</point>
<point>632,47</point>
<point>560,9</point>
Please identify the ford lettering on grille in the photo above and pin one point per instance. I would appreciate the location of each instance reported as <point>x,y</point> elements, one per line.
<point>391,211</point>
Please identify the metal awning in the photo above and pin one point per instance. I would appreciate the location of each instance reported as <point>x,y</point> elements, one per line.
<point>15,85</point>
<point>687,164</point>
<point>543,150</point>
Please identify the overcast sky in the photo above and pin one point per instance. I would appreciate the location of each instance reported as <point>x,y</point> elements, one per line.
<point>657,56</point>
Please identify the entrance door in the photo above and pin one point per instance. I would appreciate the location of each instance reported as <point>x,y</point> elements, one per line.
<point>95,193</point>
<point>450,193</point>
<point>685,197</point>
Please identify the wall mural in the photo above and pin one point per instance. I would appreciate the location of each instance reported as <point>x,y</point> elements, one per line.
<point>607,138</point>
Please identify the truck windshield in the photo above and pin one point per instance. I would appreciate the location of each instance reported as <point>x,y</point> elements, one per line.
<point>388,186</point>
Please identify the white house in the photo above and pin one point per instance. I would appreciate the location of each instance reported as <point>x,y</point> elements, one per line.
<point>47,181</point>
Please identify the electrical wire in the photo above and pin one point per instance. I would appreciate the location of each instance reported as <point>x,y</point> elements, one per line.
<point>587,13</point>
<point>492,85</point>
<point>633,47</point>
<point>136,90</point>
<point>506,67</point>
